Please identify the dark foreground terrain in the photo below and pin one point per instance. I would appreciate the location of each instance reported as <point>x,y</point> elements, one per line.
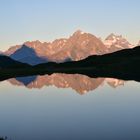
<point>124,64</point>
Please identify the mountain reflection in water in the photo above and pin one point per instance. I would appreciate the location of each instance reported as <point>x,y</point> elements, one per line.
<point>80,83</point>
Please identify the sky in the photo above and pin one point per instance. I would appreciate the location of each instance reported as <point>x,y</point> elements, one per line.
<point>47,20</point>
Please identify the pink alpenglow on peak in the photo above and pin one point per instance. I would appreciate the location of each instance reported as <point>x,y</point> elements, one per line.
<point>116,42</point>
<point>78,46</point>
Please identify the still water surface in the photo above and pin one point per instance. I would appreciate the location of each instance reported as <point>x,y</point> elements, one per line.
<point>69,107</point>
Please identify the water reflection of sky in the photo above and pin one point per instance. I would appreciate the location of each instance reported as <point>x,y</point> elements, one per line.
<point>52,113</point>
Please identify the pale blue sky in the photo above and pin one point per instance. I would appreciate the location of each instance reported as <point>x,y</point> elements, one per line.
<point>46,20</point>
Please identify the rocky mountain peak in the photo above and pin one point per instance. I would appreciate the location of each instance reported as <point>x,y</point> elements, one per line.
<point>33,44</point>
<point>78,32</point>
<point>116,42</point>
<point>112,36</point>
<point>78,46</point>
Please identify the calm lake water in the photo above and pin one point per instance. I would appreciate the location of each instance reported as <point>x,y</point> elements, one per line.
<point>69,107</point>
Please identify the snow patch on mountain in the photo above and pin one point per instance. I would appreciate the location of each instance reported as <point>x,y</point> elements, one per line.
<point>116,42</point>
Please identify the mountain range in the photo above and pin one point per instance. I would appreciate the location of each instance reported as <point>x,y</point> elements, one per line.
<point>78,46</point>
<point>122,64</point>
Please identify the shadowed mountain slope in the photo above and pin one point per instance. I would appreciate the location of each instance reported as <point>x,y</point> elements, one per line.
<point>7,62</point>
<point>27,55</point>
<point>78,46</point>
